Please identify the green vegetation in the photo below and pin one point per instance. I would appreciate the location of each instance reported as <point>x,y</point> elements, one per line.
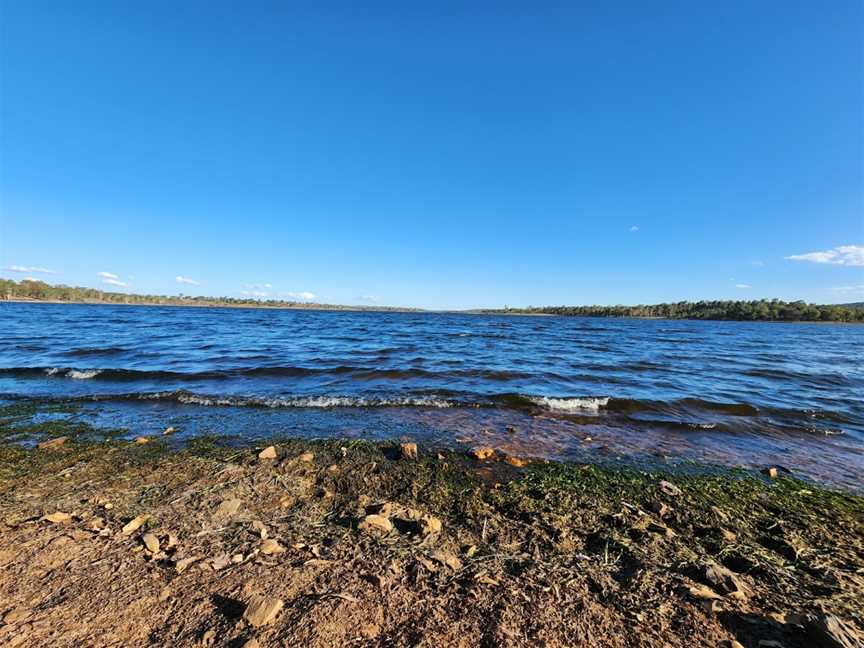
<point>761,310</point>
<point>32,290</point>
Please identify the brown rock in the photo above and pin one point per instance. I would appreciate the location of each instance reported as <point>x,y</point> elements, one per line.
<point>723,580</point>
<point>268,453</point>
<point>57,518</point>
<point>141,440</point>
<point>703,593</point>
<point>169,430</point>
<point>185,563</point>
<point>252,643</point>
<point>669,488</point>
<point>151,542</point>
<point>446,558</point>
<point>262,610</point>
<point>518,462</point>
<point>134,524</point>
<point>409,450</point>
<point>165,594</point>
<point>370,630</point>
<point>728,536</point>
<point>375,525</point>
<point>52,443</point>
<point>482,453</point>
<point>270,547</point>
<point>208,637</point>
<point>771,472</point>
<point>260,528</point>
<point>220,562</point>
<point>828,631</point>
<point>306,457</point>
<point>228,507</point>
<point>15,615</point>
<point>429,524</point>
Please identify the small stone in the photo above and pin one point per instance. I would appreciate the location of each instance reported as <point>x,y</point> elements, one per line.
<point>165,594</point>
<point>287,501</point>
<point>482,453</point>
<point>57,518</point>
<point>518,462</point>
<point>268,453</point>
<point>306,457</point>
<point>270,547</point>
<point>262,610</point>
<point>169,430</point>
<point>260,528</point>
<point>669,488</point>
<point>52,443</point>
<point>429,524</point>
<point>108,506</point>
<point>735,644</point>
<point>228,507</point>
<point>723,580</point>
<point>220,562</point>
<point>660,508</point>
<point>252,643</point>
<point>171,540</point>
<point>370,630</point>
<point>15,615</point>
<point>711,606</point>
<point>728,536</point>
<point>771,472</point>
<point>185,563</point>
<point>237,558</point>
<point>134,524</point>
<point>703,593</point>
<point>409,450</point>
<point>375,525</point>
<point>151,542</point>
<point>141,440</point>
<point>208,637</point>
<point>447,559</point>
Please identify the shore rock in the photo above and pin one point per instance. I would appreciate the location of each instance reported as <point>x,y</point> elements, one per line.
<point>262,610</point>
<point>52,443</point>
<point>409,450</point>
<point>141,440</point>
<point>306,457</point>
<point>724,580</point>
<point>151,542</point>
<point>268,453</point>
<point>375,525</point>
<point>669,488</point>
<point>134,524</point>
<point>482,453</point>
<point>57,518</point>
<point>517,462</point>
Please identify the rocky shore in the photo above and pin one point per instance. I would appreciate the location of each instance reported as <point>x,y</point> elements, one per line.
<point>117,543</point>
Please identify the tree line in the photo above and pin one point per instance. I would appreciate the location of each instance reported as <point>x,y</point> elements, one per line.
<point>28,289</point>
<point>757,310</point>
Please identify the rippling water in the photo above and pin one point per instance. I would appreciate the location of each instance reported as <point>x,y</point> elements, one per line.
<point>721,392</point>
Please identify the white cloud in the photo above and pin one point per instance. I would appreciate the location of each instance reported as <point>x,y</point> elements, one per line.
<point>634,228</point>
<point>114,282</point>
<point>301,295</point>
<point>107,275</point>
<point>743,286</point>
<point>258,294</point>
<point>845,290</point>
<point>845,255</point>
<point>28,270</point>
<point>368,299</point>
<point>186,280</point>
<point>262,286</point>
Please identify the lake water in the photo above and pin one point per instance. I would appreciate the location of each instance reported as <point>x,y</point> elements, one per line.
<point>729,393</point>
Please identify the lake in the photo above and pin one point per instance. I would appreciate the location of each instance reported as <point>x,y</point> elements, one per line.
<point>585,389</point>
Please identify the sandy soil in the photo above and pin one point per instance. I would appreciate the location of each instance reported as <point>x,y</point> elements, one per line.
<point>326,544</point>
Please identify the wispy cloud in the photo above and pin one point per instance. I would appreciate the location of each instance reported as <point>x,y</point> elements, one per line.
<point>301,295</point>
<point>845,255</point>
<point>634,228</point>
<point>743,286</point>
<point>115,282</point>
<point>257,286</point>
<point>258,294</point>
<point>107,275</point>
<point>849,290</point>
<point>186,280</point>
<point>368,299</point>
<point>28,270</point>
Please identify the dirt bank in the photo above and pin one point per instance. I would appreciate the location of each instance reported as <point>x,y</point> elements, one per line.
<point>118,544</point>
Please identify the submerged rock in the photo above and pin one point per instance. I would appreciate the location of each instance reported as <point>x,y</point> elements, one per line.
<point>52,443</point>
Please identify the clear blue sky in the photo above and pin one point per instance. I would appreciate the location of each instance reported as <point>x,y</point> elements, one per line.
<point>436,155</point>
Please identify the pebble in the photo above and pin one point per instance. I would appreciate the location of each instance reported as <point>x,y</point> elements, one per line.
<point>270,547</point>
<point>307,457</point>
<point>261,528</point>
<point>771,472</point>
<point>262,610</point>
<point>151,542</point>
<point>518,462</point>
<point>52,443</point>
<point>228,507</point>
<point>482,453</point>
<point>165,594</point>
<point>182,565</point>
<point>57,518</point>
<point>141,440</point>
<point>446,558</point>
<point>252,643</point>
<point>134,524</point>
<point>375,524</point>
<point>169,430</point>
<point>409,450</point>
<point>268,453</point>
<point>669,488</point>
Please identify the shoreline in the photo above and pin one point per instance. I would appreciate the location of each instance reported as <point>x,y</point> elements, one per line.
<point>344,541</point>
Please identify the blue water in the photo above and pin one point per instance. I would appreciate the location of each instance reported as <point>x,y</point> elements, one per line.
<point>722,392</point>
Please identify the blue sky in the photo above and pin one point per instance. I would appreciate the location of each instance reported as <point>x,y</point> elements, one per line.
<point>435,154</point>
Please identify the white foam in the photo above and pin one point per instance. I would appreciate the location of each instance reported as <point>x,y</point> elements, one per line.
<point>321,402</point>
<point>571,404</point>
<point>82,375</point>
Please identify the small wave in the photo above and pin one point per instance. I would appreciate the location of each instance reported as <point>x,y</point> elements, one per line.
<point>570,404</point>
<point>82,375</point>
<point>318,402</point>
